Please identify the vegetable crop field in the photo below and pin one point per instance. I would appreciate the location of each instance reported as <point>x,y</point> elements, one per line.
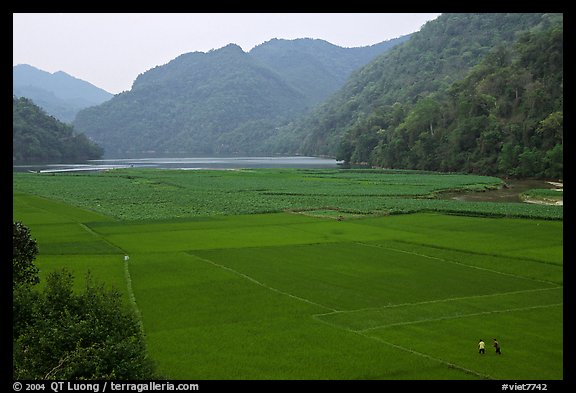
<point>313,274</point>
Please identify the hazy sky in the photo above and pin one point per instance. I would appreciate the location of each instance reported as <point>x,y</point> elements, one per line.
<point>109,50</point>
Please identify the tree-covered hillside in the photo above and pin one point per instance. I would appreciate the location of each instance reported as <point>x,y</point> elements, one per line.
<point>465,93</point>
<point>505,117</point>
<point>40,138</point>
<point>223,101</point>
<point>315,67</point>
<point>194,104</point>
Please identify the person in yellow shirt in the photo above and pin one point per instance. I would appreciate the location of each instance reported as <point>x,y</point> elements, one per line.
<point>481,347</point>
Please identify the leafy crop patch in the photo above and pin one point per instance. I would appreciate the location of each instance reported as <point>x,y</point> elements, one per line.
<point>290,291</point>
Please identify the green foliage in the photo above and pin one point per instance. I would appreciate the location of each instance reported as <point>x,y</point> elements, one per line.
<point>39,138</point>
<point>59,334</point>
<point>439,54</point>
<point>505,116</point>
<point>65,336</point>
<point>544,195</point>
<point>224,101</point>
<point>479,93</point>
<point>161,194</point>
<point>24,251</point>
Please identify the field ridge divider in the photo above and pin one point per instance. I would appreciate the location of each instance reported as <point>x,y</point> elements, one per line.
<point>439,301</point>
<point>451,365</point>
<point>245,276</point>
<point>131,295</point>
<point>127,276</point>
<point>396,346</point>
<point>101,237</point>
<point>453,262</point>
<point>459,316</point>
<point>519,258</point>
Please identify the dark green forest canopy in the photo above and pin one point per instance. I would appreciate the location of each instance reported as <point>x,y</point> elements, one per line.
<point>40,138</point>
<point>504,117</point>
<point>479,93</point>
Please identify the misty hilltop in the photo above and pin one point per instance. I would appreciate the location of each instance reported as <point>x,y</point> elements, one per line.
<point>469,92</point>
<point>59,94</point>
<point>224,101</point>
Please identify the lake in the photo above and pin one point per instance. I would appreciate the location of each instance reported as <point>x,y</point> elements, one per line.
<point>187,163</point>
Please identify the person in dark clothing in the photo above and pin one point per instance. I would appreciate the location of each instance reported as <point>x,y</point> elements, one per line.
<point>496,346</point>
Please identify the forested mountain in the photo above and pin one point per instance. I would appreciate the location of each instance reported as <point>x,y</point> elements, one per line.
<point>478,93</point>
<point>40,138</point>
<point>59,94</point>
<point>316,67</point>
<point>222,101</point>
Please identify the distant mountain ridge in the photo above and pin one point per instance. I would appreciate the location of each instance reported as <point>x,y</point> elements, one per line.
<point>59,94</point>
<point>223,101</point>
<point>308,64</point>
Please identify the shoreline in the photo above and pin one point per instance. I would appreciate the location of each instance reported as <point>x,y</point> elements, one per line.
<point>559,187</point>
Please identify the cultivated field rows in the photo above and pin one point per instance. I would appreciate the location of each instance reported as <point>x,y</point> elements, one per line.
<point>291,296</point>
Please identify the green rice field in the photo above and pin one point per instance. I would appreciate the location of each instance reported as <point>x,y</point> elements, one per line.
<point>315,275</point>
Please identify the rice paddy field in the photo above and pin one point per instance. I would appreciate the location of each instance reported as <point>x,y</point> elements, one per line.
<point>313,274</point>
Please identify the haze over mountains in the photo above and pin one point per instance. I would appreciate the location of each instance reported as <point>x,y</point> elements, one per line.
<point>225,101</point>
<point>478,93</point>
<point>59,94</point>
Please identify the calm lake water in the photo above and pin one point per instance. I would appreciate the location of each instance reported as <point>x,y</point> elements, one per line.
<point>190,163</point>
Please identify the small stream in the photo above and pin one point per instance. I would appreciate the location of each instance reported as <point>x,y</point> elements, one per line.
<point>510,193</point>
